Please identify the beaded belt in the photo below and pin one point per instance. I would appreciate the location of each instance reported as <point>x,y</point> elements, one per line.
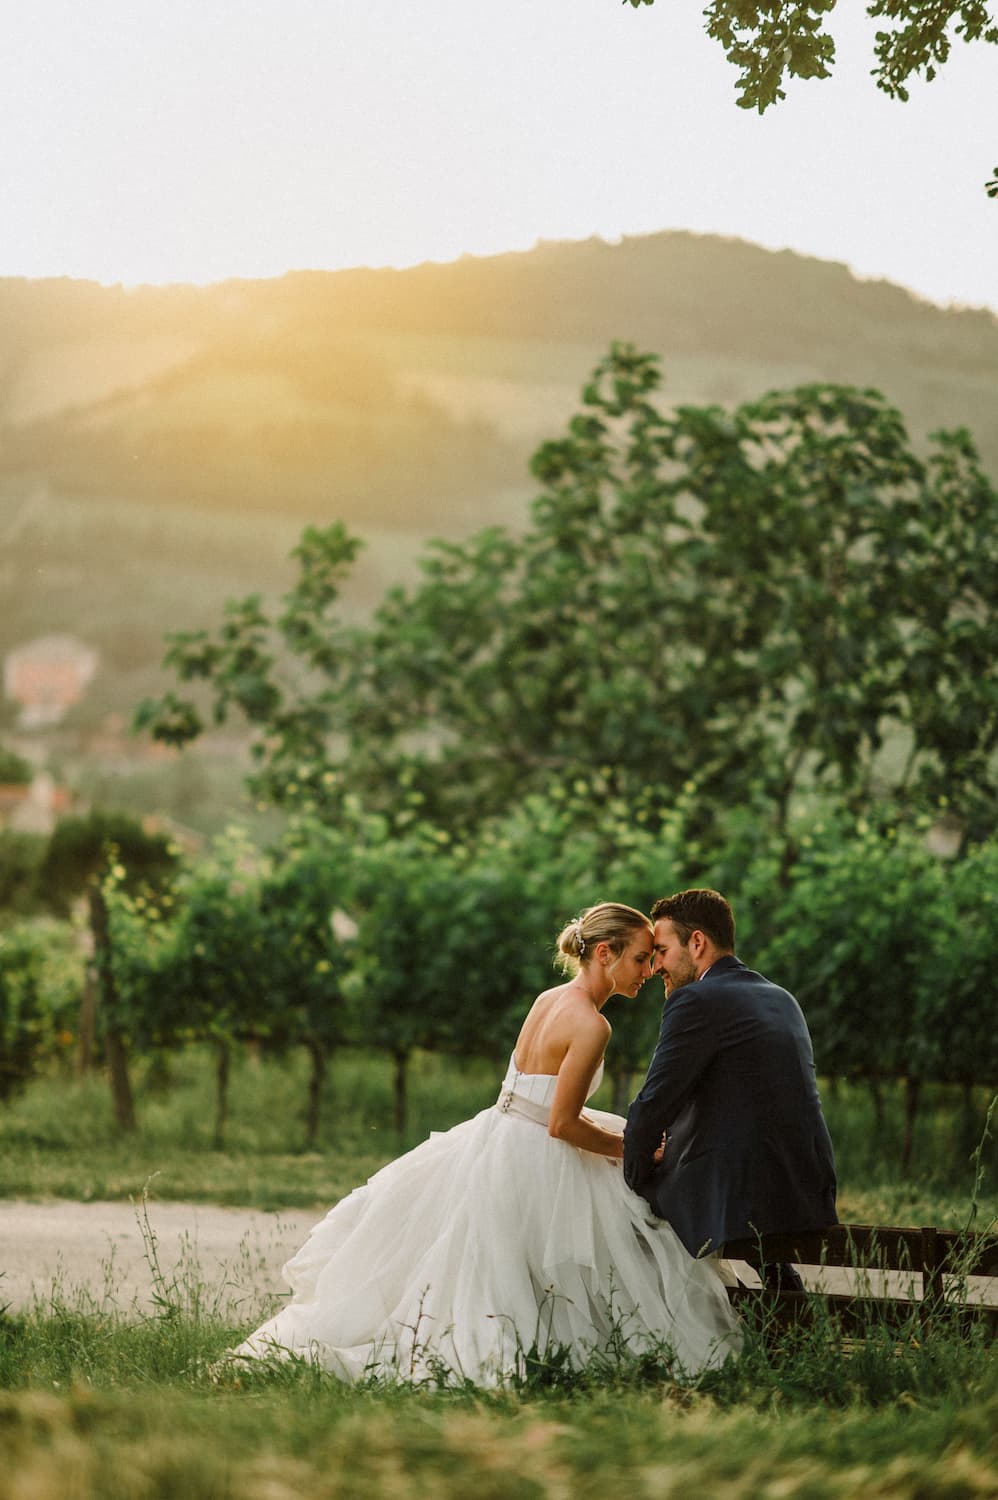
<point>512,1103</point>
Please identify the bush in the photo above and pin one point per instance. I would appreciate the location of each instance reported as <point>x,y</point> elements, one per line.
<point>21,856</point>
<point>41,979</point>
<point>79,851</point>
<point>14,769</point>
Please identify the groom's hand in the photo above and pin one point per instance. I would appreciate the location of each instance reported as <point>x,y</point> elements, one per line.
<point>660,1151</point>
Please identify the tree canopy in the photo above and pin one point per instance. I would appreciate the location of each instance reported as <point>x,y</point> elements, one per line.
<point>82,849</point>
<point>741,607</point>
<point>769,41</point>
<point>14,769</point>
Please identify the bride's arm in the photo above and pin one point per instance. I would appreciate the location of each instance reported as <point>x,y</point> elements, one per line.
<point>567,1122</point>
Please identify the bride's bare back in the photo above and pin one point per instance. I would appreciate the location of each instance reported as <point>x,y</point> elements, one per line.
<point>557,1018</point>
<point>564,1035</point>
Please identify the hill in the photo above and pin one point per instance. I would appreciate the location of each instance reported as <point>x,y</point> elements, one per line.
<point>161,447</point>
<point>389,393</point>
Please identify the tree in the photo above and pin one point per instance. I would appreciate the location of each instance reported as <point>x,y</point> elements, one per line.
<point>887,947</point>
<point>244,948</point>
<point>41,972</point>
<point>21,856</point>
<point>21,1022</point>
<point>191,965</point>
<point>757,606</point>
<point>769,41</point>
<point>80,850</point>
<point>302,900</point>
<point>291,720</point>
<point>14,769</point>
<point>82,854</point>
<point>441,952</point>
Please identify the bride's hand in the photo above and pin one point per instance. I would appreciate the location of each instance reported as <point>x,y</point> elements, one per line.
<point>660,1152</point>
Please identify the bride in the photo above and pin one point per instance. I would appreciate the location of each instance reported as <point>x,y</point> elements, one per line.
<point>515,1230</point>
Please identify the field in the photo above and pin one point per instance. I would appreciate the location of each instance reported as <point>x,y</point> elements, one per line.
<point>147,1431</point>
<point>58,1139</point>
<point>94,1404</point>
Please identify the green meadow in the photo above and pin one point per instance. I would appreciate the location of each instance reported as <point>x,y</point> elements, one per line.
<point>58,1139</point>
<point>102,1401</point>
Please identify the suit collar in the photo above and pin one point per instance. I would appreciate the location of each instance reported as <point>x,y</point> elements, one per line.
<point>727,964</point>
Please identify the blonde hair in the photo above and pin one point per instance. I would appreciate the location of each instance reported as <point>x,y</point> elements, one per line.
<point>606,922</point>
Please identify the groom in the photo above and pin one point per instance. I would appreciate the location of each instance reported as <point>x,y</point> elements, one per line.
<point>732,1086</point>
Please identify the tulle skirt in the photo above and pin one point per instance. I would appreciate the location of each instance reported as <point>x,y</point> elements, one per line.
<point>485,1244</point>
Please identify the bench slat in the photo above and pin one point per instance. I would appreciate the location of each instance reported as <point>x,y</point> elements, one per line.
<point>936,1251</point>
<point>940,1258</point>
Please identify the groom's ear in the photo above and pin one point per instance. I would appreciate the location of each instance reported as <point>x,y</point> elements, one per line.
<point>697,942</point>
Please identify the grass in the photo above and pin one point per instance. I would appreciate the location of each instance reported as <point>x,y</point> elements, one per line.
<point>103,1403</point>
<point>312,1444</point>
<point>321,1444</point>
<point>58,1139</point>
<point>92,1407</point>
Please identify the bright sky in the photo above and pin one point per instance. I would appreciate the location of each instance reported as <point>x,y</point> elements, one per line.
<point>192,140</point>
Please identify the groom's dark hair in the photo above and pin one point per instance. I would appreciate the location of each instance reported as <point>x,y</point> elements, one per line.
<point>699,911</point>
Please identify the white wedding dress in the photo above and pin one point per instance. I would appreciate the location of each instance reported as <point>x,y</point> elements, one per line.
<point>486,1242</point>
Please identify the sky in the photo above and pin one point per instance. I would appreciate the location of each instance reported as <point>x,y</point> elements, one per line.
<point>195,140</point>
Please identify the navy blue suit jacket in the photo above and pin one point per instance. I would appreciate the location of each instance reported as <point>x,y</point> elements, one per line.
<point>732,1083</point>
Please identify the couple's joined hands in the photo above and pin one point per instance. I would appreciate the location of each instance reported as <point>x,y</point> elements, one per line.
<point>656,1156</point>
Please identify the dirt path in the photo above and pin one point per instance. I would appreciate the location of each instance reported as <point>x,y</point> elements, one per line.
<point>102,1250</point>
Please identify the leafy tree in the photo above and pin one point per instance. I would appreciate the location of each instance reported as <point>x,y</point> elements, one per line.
<point>245,666</point>
<point>14,769</point>
<point>957,1012</point>
<point>305,954</point>
<point>868,935</point>
<point>195,970</point>
<point>21,856</point>
<point>21,1024</point>
<point>83,854</point>
<point>82,849</point>
<point>440,952</point>
<point>244,948</point>
<point>769,41</point>
<point>41,974</point>
<point>757,604</point>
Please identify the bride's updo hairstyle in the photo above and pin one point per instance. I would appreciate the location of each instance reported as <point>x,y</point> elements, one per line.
<point>607,922</point>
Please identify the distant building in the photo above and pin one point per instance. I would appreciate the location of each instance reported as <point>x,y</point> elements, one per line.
<point>47,676</point>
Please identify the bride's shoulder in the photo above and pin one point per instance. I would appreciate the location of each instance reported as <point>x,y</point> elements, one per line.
<point>585,1022</point>
<point>546,997</point>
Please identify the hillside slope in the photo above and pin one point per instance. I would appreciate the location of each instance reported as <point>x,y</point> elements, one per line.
<point>417,394</point>
<point>160,448</point>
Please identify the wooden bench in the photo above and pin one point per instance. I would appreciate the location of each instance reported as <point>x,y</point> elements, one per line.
<point>867,1275</point>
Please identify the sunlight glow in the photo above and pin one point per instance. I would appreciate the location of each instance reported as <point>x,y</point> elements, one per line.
<point>149,142</point>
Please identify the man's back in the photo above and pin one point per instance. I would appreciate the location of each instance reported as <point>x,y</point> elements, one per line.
<point>732,1082</point>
